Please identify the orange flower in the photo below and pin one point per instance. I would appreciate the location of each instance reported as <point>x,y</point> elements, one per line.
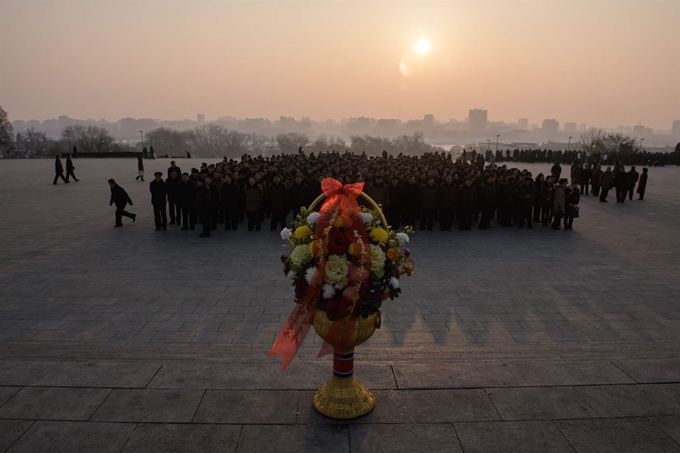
<point>392,254</point>
<point>408,269</point>
<point>385,296</point>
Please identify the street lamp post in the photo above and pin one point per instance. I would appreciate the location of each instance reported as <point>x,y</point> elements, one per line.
<point>569,145</point>
<point>497,137</point>
<point>489,147</point>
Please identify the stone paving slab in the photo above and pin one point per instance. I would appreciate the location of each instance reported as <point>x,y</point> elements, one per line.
<point>292,439</point>
<point>528,374</point>
<point>11,430</point>
<point>404,438</point>
<point>149,405</point>
<point>651,371</point>
<point>173,438</point>
<point>540,403</point>
<point>73,437</point>
<point>54,403</point>
<point>501,437</point>
<point>248,407</point>
<point>77,374</point>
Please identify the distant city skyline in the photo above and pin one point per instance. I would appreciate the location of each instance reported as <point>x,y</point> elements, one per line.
<point>595,62</point>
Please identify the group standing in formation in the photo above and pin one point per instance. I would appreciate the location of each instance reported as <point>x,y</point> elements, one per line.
<point>412,191</point>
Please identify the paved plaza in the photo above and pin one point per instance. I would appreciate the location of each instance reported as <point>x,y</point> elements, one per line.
<point>506,340</point>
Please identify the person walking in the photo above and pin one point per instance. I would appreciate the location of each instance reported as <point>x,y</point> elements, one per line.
<point>606,183</point>
<point>159,193</point>
<point>632,178</point>
<point>120,197</point>
<point>59,170</point>
<point>642,184</point>
<point>70,168</point>
<point>140,168</point>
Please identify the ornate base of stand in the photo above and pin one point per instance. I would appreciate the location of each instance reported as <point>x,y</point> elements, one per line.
<point>343,397</point>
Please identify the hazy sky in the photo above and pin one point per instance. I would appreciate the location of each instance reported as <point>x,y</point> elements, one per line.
<point>603,63</point>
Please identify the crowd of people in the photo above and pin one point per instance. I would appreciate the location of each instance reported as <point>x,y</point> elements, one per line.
<point>626,157</point>
<point>412,190</point>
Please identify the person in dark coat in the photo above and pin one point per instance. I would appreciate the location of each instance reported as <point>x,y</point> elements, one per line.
<point>378,191</point>
<point>606,183</point>
<point>410,202</point>
<point>526,194</point>
<point>298,195</point>
<point>140,168</point>
<point>632,178</point>
<point>642,184</point>
<point>538,202</point>
<point>174,168</point>
<point>187,195</point>
<point>70,168</point>
<point>120,197</point>
<point>428,206</point>
<point>159,193</point>
<point>595,180</point>
<point>214,202</point>
<point>278,202</point>
<point>202,206</point>
<point>253,196</point>
<point>621,184</point>
<point>572,198</point>
<point>487,201</point>
<point>556,170</point>
<point>448,194</point>
<point>173,184</point>
<point>59,170</point>
<point>546,201</point>
<point>394,203</point>
<point>584,179</point>
<point>230,198</point>
<point>467,204</point>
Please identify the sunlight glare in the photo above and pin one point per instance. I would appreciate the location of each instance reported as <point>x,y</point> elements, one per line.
<point>422,46</point>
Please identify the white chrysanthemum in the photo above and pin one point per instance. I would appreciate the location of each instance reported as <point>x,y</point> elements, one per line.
<point>394,282</point>
<point>299,256</point>
<point>378,263</point>
<point>328,291</point>
<point>312,218</point>
<point>337,269</point>
<point>290,275</point>
<point>403,237</point>
<point>366,217</point>
<point>309,275</point>
<point>286,234</point>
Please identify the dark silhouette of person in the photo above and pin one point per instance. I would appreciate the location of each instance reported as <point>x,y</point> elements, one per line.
<point>69,170</point>
<point>140,168</point>
<point>174,168</point>
<point>120,197</point>
<point>203,205</point>
<point>159,193</point>
<point>173,184</point>
<point>75,151</point>
<point>642,184</point>
<point>187,195</point>
<point>59,171</point>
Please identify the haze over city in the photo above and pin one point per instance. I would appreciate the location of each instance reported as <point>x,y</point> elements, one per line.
<point>604,64</point>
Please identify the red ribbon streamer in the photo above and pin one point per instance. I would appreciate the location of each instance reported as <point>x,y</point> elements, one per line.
<point>344,196</point>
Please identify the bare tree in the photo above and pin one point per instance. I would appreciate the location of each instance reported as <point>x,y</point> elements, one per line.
<point>90,139</point>
<point>6,134</point>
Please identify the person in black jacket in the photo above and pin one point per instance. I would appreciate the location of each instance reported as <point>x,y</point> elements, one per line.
<point>572,198</point>
<point>173,184</point>
<point>621,184</point>
<point>394,204</point>
<point>298,195</point>
<point>428,200</point>
<point>278,202</point>
<point>174,168</point>
<point>70,168</point>
<point>526,194</point>
<point>537,198</point>
<point>487,201</point>
<point>59,170</point>
<point>642,184</point>
<point>214,203</point>
<point>632,178</point>
<point>410,202</point>
<point>231,201</point>
<point>203,205</point>
<point>159,193</point>
<point>448,194</point>
<point>120,197</point>
<point>187,195</point>
<point>140,167</point>
<point>467,204</point>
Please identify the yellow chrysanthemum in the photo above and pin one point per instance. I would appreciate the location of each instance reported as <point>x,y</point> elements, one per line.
<point>379,235</point>
<point>303,232</point>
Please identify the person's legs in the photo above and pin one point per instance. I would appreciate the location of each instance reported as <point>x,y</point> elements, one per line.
<point>171,205</point>
<point>527,215</point>
<point>603,194</point>
<point>157,216</point>
<point>185,219</point>
<point>164,217</point>
<point>251,220</point>
<point>205,222</point>
<point>119,216</point>
<point>430,219</point>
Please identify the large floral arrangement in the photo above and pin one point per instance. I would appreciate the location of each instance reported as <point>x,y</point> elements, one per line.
<point>357,276</point>
<point>343,261</point>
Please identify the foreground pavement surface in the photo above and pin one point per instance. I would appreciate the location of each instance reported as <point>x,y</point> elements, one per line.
<point>132,340</point>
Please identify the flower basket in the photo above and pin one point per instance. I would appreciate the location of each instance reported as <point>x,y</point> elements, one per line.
<point>344,262</point>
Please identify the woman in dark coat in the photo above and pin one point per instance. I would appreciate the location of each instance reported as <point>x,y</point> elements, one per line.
<point>572,198</point>
<point>140,168</point>
<point>642,184</point>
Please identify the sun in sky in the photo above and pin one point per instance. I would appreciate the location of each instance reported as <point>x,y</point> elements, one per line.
<point>422,46</point>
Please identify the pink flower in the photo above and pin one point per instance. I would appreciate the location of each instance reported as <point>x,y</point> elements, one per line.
<point>356,274</point>
<point>349,292</point>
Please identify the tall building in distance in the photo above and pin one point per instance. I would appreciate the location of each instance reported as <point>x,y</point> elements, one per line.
<point>200,118</point>
<point>551,126</point>
<point>523,123</point>
<point>428,121</point>
<point>675,130</point>
<point>477,120</point>
<point>570,127</point>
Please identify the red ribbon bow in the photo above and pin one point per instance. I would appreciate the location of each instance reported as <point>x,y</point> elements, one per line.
<point>338,195</point>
